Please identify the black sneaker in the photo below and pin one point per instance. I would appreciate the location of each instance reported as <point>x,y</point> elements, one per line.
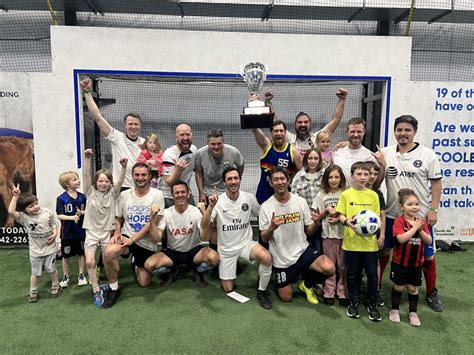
<point>328,301</point>
<point>199,278</point>
<point>344,302</point>
<point>262,297</point>
<point>353,310</point>
<point>111,297</point>
<point>434,301</point>
<point>169,277</point>
<point>380,301</point>
<point>374,314</point>
<point>318,290</point>
<point>456,247</point>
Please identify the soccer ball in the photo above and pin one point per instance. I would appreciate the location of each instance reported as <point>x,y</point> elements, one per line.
<point>366,222</point>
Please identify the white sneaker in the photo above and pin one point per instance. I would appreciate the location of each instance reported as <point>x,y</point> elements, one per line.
<point>81,280</point>
<point>394,315</point>
<point>64,282</point>
<point>414,320</point>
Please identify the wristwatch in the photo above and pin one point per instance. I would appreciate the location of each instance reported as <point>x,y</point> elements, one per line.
<point>432,209</point>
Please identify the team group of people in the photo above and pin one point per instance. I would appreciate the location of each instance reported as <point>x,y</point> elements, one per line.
<point>305,202</point>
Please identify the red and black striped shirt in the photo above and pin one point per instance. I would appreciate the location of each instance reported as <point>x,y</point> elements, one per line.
<point>409,253</point>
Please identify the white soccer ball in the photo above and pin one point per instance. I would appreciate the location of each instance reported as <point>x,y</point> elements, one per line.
<point>366,222</point>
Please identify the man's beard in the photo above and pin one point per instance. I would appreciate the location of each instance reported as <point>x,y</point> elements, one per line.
<point>302,135</point>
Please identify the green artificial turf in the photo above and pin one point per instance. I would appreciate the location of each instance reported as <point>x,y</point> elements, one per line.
<point>184,319</point>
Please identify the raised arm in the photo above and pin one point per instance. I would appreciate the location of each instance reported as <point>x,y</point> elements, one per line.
<point>378,155</point>
<point>156,234</point>
<point>338,112</point>
<point>12,206</point>
<point>179,166</point>
<point>267,234</point>
<point>104,127</point>
<point>206,217</point>
<point>298,158</point>
<point>261,139</point>
<point>86,169</point>
<point>118,185</point>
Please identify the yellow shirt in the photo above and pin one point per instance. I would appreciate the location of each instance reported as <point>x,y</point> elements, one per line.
<point>350,203</point>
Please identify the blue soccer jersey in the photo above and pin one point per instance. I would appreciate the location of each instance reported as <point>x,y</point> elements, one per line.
<point>68,206</point>
<point>271,158</point>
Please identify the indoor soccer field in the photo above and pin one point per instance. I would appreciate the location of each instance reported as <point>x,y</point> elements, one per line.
<point>185,319</point>
<point>179,61</point>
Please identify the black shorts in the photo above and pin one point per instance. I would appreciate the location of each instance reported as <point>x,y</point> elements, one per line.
<point>294,273</point>
<point>72,247</point>
<point>182,257</point>
<point>404,275</point>
<point>139,255</point>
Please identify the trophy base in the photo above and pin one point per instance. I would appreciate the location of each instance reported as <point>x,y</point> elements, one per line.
<point>262,120</point>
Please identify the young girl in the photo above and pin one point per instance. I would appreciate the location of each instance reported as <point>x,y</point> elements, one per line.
<point>152,154</point>
<point>307,182</point>
<point>332,184</point>
<point>323,142</point>
<point>99,219</point>
<point>411,234</point>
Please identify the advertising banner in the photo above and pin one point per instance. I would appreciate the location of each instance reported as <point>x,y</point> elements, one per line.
<point>16,151</point>
<point>452,139</point>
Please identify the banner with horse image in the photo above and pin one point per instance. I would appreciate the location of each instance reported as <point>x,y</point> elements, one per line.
<point>16,151</point>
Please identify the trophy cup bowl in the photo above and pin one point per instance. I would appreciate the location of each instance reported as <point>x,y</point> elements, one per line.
<point>256,114</point>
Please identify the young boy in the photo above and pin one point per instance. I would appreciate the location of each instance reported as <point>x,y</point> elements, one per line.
<point>70,207</point>
<point>361,251</point>
<point>373,176</point>
<point>41,229</point>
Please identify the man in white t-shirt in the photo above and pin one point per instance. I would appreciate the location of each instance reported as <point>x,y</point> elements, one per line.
<point>412,165</point>
<point>131,235</point>
<point>354,151</point>
<point>178,163</point>
<point>285,222</point>
<point>209,163</point>
<point>232,211</point>
<point>303,138</point>
<point>182,222</point>
<point>124,145</point>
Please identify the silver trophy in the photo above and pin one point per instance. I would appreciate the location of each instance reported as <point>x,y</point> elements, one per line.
<point>256,114</point>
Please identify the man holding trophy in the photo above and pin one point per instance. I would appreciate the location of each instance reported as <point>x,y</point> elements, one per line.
<point>260,114</point>
<point>275,152</point>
